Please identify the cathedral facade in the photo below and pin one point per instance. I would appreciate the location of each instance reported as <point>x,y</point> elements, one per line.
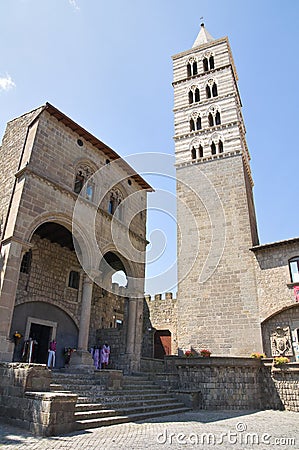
<point>235,296</point>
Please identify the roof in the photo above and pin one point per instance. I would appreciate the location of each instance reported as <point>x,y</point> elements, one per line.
<point>203,37</point>
<point>275,244</point>
<point>109,152</point>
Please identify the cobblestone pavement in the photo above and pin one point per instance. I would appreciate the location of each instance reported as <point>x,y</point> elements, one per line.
<point>201,429</point>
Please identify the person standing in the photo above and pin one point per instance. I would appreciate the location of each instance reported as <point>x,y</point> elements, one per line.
<point>52,354</point>
<point>104,356</point>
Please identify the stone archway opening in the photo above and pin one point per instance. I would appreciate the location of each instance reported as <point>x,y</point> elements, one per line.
<point>50,280</point>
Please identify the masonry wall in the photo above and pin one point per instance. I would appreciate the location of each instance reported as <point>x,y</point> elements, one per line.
<point>10,156</point>
<point>161,314</point>
<point>217,298</point>
<point>274,286</point>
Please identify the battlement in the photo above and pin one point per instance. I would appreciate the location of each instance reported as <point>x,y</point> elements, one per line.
<point>160,297</point>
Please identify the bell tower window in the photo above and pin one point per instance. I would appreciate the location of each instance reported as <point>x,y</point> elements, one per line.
<point>213,148</point>
<point>214,90</point>
<point>193,153</point>
<point>190,97</point>
<point>220,146</point>
<point>211,120</point>
<point>217,118</point>
<point>200,151</point>
<point>198,123</point>
<point>192,125</point>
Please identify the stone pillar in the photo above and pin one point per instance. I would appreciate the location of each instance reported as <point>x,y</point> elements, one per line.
<point>82,358</point>
<point>11,254</point>
<point>134,329</point>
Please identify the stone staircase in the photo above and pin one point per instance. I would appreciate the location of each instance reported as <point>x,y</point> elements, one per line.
<point>138,399</point>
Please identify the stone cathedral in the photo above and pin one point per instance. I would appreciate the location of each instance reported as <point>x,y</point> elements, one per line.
<point>235,295</point>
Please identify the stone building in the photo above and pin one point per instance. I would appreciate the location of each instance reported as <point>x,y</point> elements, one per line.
<point>73,214</point>
<point>235,296</point>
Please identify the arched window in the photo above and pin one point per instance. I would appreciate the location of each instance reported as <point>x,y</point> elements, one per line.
<point>211,61</point>
<point>208,91</point>
<point>211,120</point>
<point>214,90</point>
<point>197,96</point>
<point>192,125</point>
<point>294,269</point>
<point>217,118</point>
<point>194,68</point>
<point>74,278</point>
<point>198,123</point>
<point>114,204</point>
<point>79,182</point>
<point>26,262</point>
<point>200,149</point>
<point>82,175</point>
<point>213,148</point>
<point>190,97</point>
<point>193,153</point>
<point>188,70</point>
<point>205,64</point>
<point>220,147</point>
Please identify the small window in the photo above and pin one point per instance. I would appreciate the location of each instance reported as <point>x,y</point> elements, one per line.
<point>220,147</point>
<point>26,262</point>
<point>193,153</point>
<point>214,90</point>
<point>211,120</point>
<point>217,118</point>
<point>294,269</point>
<point>188,70</point>
<point>79,182</point>
<point>198,123</point>
<point>200,151</point>
<point>192,125</point>
<point>111,206</point>
<point>89,191</point>
<point>208,91</point>
<point>190,97</point>
<point>211,61</point>
<point>195,68</point>
<point>213,148</point>
<point>197,96</point>
<point>80,142</point>
<point>205,65</point>
<point>74,278</point>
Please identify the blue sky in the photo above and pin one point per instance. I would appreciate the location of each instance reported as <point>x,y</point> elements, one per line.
<point>108,66</point>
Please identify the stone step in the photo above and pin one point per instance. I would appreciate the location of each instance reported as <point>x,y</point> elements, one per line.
<point>125,411</point>
<point>105,421</point>
<point>80,407</point>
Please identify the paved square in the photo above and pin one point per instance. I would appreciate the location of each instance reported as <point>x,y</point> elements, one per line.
<point>201,429</point>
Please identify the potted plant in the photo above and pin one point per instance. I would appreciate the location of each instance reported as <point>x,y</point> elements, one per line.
<point>204,353</point>
<point>257,355</point>
<point>280,361</point>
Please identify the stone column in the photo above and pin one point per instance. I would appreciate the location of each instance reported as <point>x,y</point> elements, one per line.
<point>10,261</point>
<point>82,358</point>
<point>134,328</point>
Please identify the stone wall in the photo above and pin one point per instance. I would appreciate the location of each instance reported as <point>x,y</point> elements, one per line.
<point>286,382</point>
<point>216,383</point>
<point>274,286</point>
<point>231,383</point>
<point>160,313</point>
<point>26,400</point>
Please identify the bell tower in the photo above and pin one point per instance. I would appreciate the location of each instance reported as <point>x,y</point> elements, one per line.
<point>217,298</point>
